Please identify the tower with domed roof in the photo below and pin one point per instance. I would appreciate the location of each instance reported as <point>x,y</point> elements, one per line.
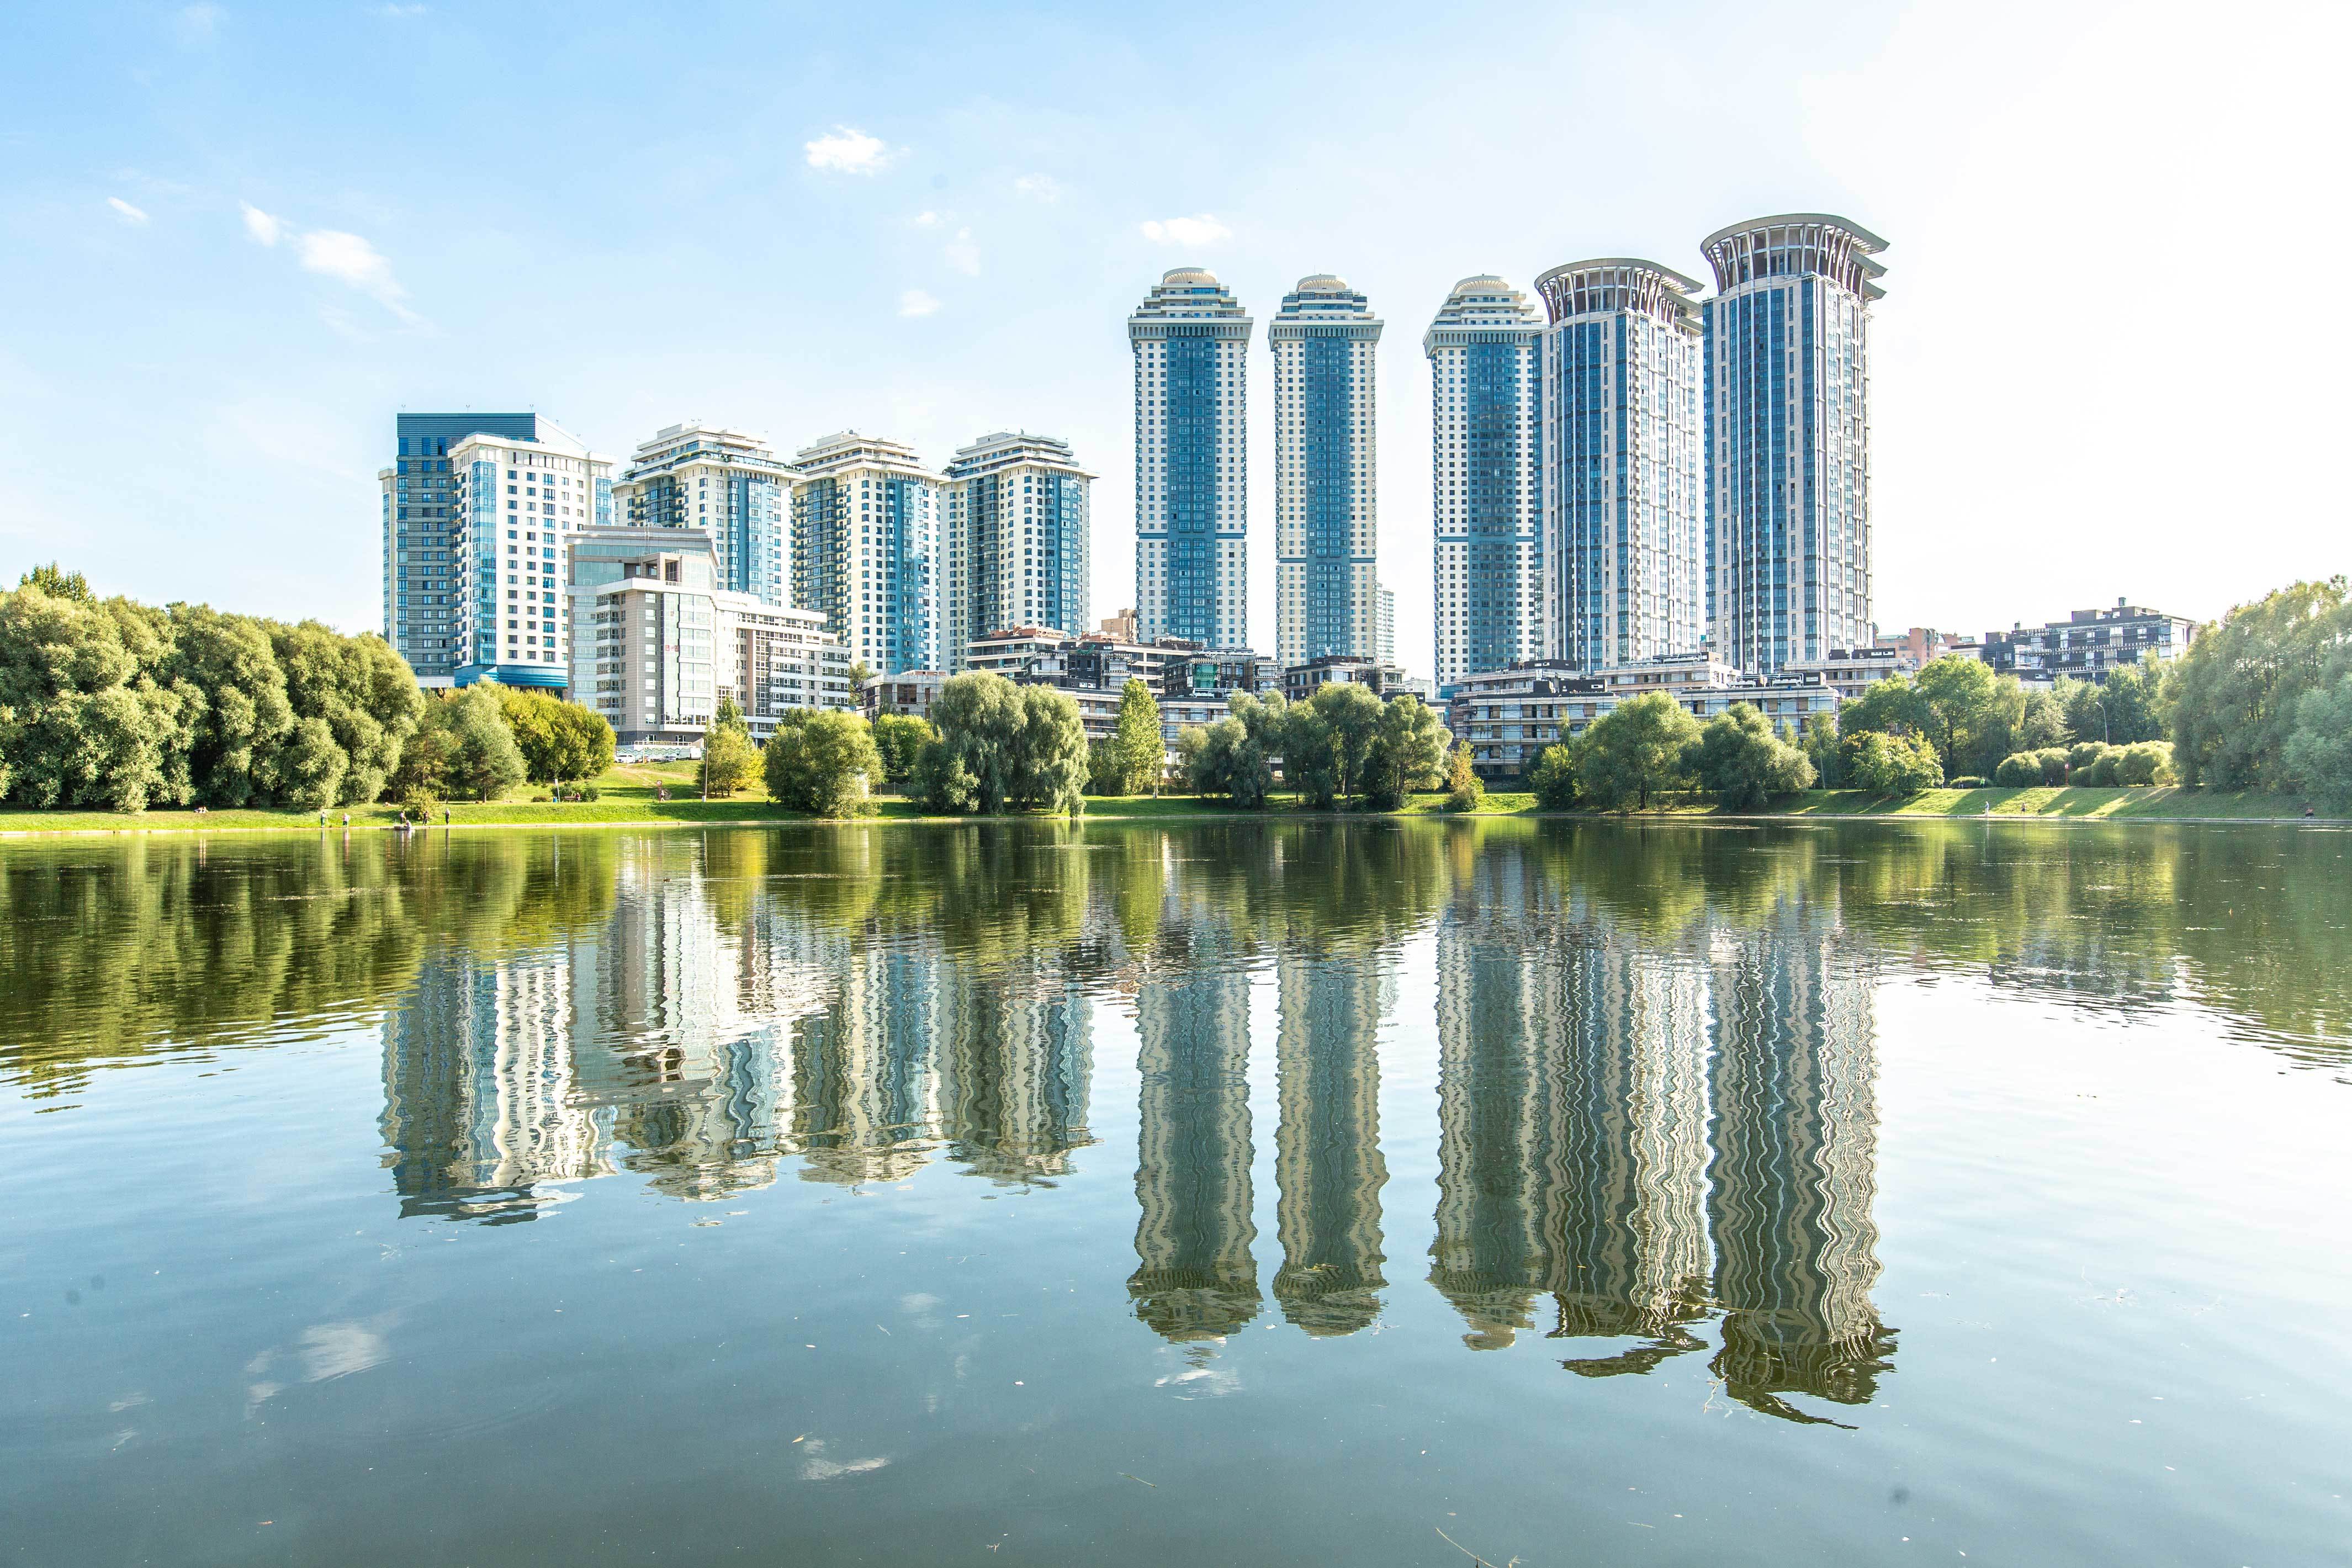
<point>1190,341</point>
<point>1484,354</point>
<point>1325,485</point>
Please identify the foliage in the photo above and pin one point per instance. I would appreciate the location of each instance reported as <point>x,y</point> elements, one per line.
<point>1821,746</point>
<point>1137,748</point>
<point>240,730</point>
<point>363,690</point>
<point>821,762</point>
<point>58,583</point>
<point>1891,764</point>
<point>1634,752</point>
<point>1742,763</point>
<point>2126,710</point>
<point>1003,747</point>
<point>1103,775</point>
<point>2319,752</point>
<point>729,759</point>
<point>2146,762</point>
<point>1233,757</point>
<point>1407,753</point>
<point>900,739</point>
<point>560,740</point>
<point>465,749</point>
<point>89,715</point>
<point>2236,696</point>
<point>1971,717</point>
<point>1326,741</point>
<point>1464,791</point>
<point>1553,779</point>
<point>859,673</point>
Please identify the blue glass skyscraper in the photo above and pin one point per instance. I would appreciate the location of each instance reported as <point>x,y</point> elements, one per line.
<point>1325,472</point>
<point>1190,341</point>
<point>1485,495</point>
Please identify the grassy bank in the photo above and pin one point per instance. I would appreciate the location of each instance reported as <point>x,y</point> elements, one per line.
<point>628,796</point>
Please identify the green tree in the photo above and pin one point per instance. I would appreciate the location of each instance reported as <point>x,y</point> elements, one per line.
<point>58,583</point>
<point>1407,753</point>
<point>1739,760</point>
<point>422,779</point>
<point>942,782</point>
<point>363,690</point>
<point>1326,741</point>
<point>1553,776</point>
<point>729,760</point>
<point>479,758</point>
<point>860,672</point>
<point>1137,747</point>
<point>1004,747</point>
<point>1103,775</point>
<point>900,739</point>
<point>822,761</point>
<point>562,742</point>
<point>1464,790</point>
<point>1233,757</point>
<point>88,716</point>
<point>2133,703</point>
<point>2236,695</point>
<point>1821,746</point>
<point>241,718</point>
<point>1050,756</point>
<point>1892,764</point>
<point>2319,748</point>
<point>1634,752</point>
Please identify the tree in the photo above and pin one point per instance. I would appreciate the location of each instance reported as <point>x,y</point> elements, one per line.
<point>241,718</point>
<point>1738,758</point>
<point>1892,764</point>
<point>2133,701</point>
<point>1136,749</point>
<point>1634,752</point>
<point>860,672</point>
<point>1004,746</point>
<point>822,761</point>
<point>1231,757</point>
<point>1553,776</point>
<point>900,739</point>
<point>729,760</point>
<point>1820,744</point>
<point>366,692</point>
<point>1326,740</point>
<point>422,779</point>
<point>2319,750</point>
<point>942,782</point>
<point>88,716</point>
<point>1050,755</point>
<point>1103,775</point>
<point>477,758</point>
<point>2236,695</point>
<point>1464,791</point>
<point>58,583</point>
<point>562,741</point>
<point>1407,753</point>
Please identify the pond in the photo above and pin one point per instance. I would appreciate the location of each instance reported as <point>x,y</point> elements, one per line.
<point>1380,1193</point>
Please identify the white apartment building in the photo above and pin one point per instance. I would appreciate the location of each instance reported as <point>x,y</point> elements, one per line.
<point>1190,341</point>
<point>1485,351</point>
<point>727,484</point>
<point>867,549</point>
<point>1015,539</point>
<point>518,506</point>
<point>1326,471</point>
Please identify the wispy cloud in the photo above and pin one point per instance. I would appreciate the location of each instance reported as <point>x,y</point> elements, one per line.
<point>1186,231</point>
<point>849,151</point>
<point>1038,187</point>
<point>263,228</point>
<point>401,13</point>
<point>126,212</point>
<point>346,258</point>
<point>915,302</point>
<point>963,255</point>
<point>927,220</point>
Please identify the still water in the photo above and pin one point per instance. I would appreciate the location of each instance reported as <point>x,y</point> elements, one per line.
<point>1369,1193</point>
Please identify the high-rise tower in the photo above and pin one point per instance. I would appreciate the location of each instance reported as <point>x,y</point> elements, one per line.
<point>1191,339</point>
<point>519,501</point>
<point>1625,576</point>
<point>1788,438</point>
<point>1325,483</point>
<point>866,549</point>
<point>1486,487</point>
<point>724,482</point>
<point>1016,528</point>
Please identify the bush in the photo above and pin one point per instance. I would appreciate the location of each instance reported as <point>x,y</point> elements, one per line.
<point>2145,763</point>
<point>1553,777</point>
<point>822,763</point>
<point>590,792</point>
<point>1634,753</point>
<point>2019,770</point>
<point>1892,764</point>
<point>1464,790</point>
<point>1738,758</point>
<point>1966,781</point>
<point>2083,754</point>
<point>2101,773</point>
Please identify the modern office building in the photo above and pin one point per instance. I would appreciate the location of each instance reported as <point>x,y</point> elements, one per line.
<point>1015,536</point>
<point>1326,471</point>
<point>1788,438</point>
<point>866,549</point>
<point>519,502</point>
<point>1484,354</point>
<point>1190,341</point>
<point>724,481</point>
<point>2089,645</point>
<point>425,594</point>
<point>1624,569</point>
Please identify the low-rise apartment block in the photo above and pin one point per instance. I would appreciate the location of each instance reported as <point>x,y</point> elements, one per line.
<point>2089,645</point>
<point>1506,717</point>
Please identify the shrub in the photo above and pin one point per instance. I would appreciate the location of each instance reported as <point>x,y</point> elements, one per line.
<point>1464,790</point>
<point>1966,781</point>
<point>2083,754</point>
<point>2145,763</point>
<point>1553,777</point>
<point>2101,773</point>
<point>822,763</point>
<point>2019,770</point>
<point>1892,764</point>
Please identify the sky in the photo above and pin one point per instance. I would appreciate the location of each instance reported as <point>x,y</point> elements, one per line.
<point>236,239</point>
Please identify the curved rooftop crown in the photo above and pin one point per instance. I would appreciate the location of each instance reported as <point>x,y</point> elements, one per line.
<point>1481,303</point>
<point>1325,297</point>
<point>1791,245</point>
<point>1612,283</point>
<point>1187,292</point>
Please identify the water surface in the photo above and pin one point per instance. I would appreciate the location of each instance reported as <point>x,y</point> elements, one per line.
<point>1376,1193</point>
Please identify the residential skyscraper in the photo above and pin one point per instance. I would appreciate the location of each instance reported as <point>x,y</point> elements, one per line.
<point>866,549</point>
<point>519,502</point>
<point>1016,531</point>
<point>1484,354</point>
<point>725,482</point>
<point>1325,472</point>
<point>1624,571</point>
<point>1788,438</point>
<point>424,597</point>
<point>1190,341</point>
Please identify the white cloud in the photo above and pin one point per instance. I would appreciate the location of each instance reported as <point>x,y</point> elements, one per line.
<point>915,302</point>
<point>1187,231</point>
<point>927,220</point>
<point>1038,187</point>
<point>124,210</point>
<point>333,253</point>
<point>852,152</point>
<point>401,13</point>
<point>963,255</point>
<point>263,228</point>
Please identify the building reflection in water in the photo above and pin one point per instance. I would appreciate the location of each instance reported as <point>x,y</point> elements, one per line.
<point>1655,1134</point>
<point>1327,1166</point>
<point>1016,1070</point>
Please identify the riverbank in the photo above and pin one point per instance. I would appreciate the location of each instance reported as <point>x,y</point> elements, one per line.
<point>627,804</point>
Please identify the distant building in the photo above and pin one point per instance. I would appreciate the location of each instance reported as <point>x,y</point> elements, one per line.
<point>1299,681</point>
<point>2089,645</point>
<point>724,482</point>
<point>1121,626</point>
<point>1385,646</point>
<point>1916,648</point>
<point>866,549</point>
<point>1485,351</point>
<point>1623,548</point>
<point>521,504</point>
<point>1506,717</point>
<point>1190,341</point>
<point>1853,670</point>
<point>1325,341</point>
<point>439,578</point>
<point>907,691</point>
<point>1014,538</point>
<point>1788,438</point>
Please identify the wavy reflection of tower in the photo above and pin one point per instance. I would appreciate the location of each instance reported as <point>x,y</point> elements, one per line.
<point>1196,1277</point>
<point>865,1101</point>
<point>1794,1174</point>
<point>1327,1164</point>
<point>1016,1067</point>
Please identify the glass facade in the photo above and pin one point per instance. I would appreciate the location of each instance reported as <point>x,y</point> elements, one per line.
<point>865,550</point>
<point>1486,481</point>
<point>424,589</point>
<point>727,484</point>
<point>1327,513</point>
<point>1017,527</point>
<point>1188,338</point>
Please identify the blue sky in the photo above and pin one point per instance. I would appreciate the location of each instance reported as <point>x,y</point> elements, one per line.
<point>235,238</point>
